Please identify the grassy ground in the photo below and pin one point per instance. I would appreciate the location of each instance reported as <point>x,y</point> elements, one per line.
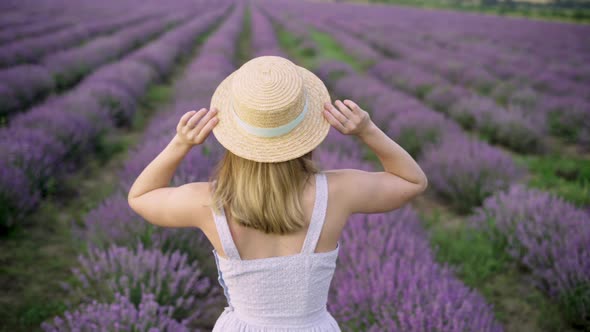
<point>244,50</point>
<point>477,260</point>
<point>38,255</point>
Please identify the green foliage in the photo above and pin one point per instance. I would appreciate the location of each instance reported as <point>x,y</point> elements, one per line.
<point>292,45</point>
<point>243,50</point>
<point>331,49</point>
<point>573,304</point>
<point>414,141</point>
<point>568,130</point>
<point>567,177</point>
<point>107,146</point>
<point>321,46</point>
<point>472,251</point>
<point>158,94</point>
<point>39,311</point>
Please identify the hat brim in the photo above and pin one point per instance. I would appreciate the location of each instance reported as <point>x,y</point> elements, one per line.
<point>302,139</point>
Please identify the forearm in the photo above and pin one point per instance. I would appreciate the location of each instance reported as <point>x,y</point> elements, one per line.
<point>393,157</point>
<point>160,171</point>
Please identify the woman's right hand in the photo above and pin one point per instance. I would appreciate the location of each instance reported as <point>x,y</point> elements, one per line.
<point>348,118</point>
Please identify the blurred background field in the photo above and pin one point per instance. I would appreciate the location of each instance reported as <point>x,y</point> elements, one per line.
<point>568,10</point>
<point>495,109</point>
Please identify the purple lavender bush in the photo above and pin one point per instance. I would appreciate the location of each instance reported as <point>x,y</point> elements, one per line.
<point>264,40</point>
<point>550,238</point>
<point>27,83</point>
<point>465,171</point>
<point>74,124</point>
<point>416,129</point>
<point>512,128</point>
<point>114,222</point>
<point>68,66</point>
<point>442,97</point>
<point>132,272</point>
<point>569,117</point>
<point>503,91</point>
<point>388,280</point>
<point>406,76</point>
<point>120,315</point>
<point>8,100</point>
<point>34,152</point>
<point>331,70</point>
<point>17,197</point>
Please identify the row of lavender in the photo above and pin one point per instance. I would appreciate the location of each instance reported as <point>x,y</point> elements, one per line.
<point>507,107</point>
<point>532,226</point>
<point>136,276</point>
<point>549,236</point>
<point>46,17</point>
<point>533,95</point>
<point>22,85</point>
<point>53,138</point>
<point>90,21</point>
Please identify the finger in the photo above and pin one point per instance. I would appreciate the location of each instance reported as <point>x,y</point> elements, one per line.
<point>207,129</point>
<point>333,121</point>
<point>184,119</point>
<point>337,114</point>
<point>344,109</point>
<point>195,118</point>
<point>210,114</point>
<point>352,105</point>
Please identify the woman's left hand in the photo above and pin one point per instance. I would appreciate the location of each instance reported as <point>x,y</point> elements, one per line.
<point>194,127</point>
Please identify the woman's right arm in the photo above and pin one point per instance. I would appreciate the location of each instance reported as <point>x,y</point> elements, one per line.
<point>374,192</point>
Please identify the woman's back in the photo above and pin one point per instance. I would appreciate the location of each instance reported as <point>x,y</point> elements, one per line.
<point>278,291</point>
<point>254,244</point>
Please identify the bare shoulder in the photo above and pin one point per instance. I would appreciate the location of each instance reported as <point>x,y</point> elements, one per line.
<point>359,191</point>
<point>197,189</point>
<point>338,186</point>
<point>197,198</point>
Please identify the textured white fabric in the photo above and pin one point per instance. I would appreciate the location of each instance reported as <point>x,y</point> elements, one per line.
<point>282,293</point>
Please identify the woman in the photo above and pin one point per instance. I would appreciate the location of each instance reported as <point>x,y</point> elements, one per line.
<point>272,216</point>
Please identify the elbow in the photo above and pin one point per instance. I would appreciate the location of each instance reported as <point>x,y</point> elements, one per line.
<point>424,184</point>
<point>131,201</point>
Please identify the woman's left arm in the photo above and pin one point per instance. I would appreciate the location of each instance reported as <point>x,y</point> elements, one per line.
<point>151,196</point>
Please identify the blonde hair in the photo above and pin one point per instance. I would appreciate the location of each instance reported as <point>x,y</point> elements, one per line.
<point>263,196</point>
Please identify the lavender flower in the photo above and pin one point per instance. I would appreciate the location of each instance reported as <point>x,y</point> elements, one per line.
<point>28,83</point>
<point>388,280</point>
<point>510,127</point>
<point>173,281</point>
<point>406,76</point>
<point>121,315</point>
<point>17,196</point>
<point>550,237</point>
<point>465,172</point>
<point>417,129</point>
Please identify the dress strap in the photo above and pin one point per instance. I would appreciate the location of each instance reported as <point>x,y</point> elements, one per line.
<point>225,237</point>
<point>318,215</point>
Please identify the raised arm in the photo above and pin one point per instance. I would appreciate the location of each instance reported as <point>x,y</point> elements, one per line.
<point>374,192</point>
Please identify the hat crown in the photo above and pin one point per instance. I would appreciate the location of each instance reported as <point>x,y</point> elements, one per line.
<point>267,92</point>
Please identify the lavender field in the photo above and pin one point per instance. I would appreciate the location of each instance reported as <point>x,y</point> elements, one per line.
<point>495,110</point>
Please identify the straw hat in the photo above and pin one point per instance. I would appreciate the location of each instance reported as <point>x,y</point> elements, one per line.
<point>270,110</point>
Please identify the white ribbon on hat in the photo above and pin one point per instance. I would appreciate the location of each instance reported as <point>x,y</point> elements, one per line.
<point>272,131</point>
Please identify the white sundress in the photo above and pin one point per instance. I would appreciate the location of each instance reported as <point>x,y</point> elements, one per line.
<point>282,293</point>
